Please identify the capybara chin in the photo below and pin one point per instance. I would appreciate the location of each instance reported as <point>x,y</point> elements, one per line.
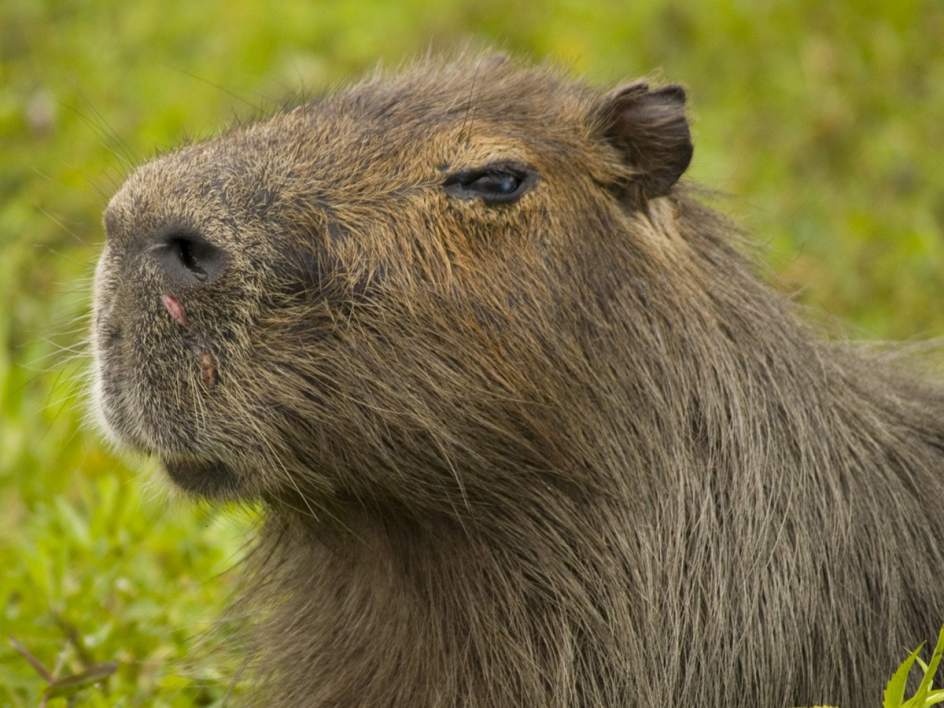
<point>527,428</point>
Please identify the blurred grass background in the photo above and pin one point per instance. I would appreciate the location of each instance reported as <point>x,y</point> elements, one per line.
<point>824,121</point>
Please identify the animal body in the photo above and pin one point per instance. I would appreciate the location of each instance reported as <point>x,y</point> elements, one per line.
<point>526,426</point>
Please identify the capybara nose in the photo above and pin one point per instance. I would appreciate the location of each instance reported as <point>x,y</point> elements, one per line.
<point>187,258</point>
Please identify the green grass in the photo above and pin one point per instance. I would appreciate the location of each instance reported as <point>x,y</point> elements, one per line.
<point>926,695</point>
<point>823,120</point>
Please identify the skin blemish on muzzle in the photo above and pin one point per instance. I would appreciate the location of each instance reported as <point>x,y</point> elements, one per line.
<point>209,374</point>
<point>208,368</point>
<point>175,309</point>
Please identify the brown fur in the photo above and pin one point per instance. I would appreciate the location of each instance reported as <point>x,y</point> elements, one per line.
<point>567,451</point>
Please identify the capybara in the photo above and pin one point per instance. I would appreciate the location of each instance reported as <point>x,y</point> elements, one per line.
<point>526,426</point>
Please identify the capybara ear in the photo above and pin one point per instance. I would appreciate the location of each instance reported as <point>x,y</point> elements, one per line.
<point>650,130</point>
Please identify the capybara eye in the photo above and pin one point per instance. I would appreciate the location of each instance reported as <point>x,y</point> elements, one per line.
<point>495,183</point>
<point>502,183</point>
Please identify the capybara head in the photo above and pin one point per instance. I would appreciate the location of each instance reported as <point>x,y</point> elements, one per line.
<point>318,302</point>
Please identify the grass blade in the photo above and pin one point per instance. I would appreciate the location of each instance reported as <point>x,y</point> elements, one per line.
<point>68,685</point>
<point>894,695</point>
<point>930,670</point>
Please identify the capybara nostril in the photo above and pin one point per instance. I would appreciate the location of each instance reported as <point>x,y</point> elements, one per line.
<point>187,258</point>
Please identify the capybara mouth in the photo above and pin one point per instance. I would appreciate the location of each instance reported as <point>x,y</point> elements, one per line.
<point>203,478</point>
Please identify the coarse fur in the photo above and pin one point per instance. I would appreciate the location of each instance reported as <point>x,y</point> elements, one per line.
<point>564,451</point>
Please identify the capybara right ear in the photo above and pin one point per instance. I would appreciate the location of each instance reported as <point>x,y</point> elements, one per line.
<point>650,129</point>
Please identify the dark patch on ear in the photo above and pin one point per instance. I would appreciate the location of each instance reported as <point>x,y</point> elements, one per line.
<point>650,129</point>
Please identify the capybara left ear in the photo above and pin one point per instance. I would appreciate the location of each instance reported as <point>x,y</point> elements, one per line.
<point>650,129</point>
